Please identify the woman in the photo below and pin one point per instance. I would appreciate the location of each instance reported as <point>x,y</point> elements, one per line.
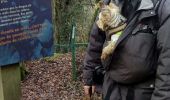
<point>139,66</point>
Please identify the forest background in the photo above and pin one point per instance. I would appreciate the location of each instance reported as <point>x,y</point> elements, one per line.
<point>80,13</point>
<point>60,77</point>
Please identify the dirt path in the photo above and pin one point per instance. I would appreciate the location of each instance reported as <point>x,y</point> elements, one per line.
<point>51,79</point>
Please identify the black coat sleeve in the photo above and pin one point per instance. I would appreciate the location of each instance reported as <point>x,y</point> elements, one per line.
<point>92,58</point>
<point>162,84</point>
<point>93,54</point>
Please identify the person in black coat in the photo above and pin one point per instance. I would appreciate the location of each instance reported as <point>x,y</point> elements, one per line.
<point>139,67</point>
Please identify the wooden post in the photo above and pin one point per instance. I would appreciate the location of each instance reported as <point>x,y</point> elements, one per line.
<point>10,79</point>
<point>1,88</point>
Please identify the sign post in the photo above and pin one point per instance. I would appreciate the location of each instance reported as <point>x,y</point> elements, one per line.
<point>10,79</point>
<point>1,88</point>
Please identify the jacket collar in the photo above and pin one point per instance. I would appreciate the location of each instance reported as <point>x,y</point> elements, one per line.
<point>145,5</point>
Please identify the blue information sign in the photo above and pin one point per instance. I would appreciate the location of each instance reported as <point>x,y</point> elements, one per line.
<point>25,30</point>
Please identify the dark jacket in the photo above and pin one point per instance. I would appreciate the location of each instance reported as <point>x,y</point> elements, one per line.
<point>142,52</point>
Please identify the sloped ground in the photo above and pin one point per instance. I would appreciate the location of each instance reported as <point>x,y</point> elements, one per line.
<point>52,79</point>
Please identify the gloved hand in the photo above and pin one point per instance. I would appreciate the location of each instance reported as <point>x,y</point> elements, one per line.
<point>99,75</point>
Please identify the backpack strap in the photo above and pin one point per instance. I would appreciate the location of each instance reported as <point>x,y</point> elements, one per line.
<point>156,6</point>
